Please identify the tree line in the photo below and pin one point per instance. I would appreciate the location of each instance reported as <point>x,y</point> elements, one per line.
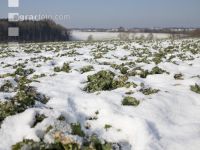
<point>195,33</point>
<point>34,31</point>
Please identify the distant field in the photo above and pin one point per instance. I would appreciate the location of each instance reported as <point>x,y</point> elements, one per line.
<point>78,35</point>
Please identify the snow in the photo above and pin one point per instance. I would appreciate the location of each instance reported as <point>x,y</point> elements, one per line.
<point>167,120</point>
<point>16,128</point>
<point>78,35</point>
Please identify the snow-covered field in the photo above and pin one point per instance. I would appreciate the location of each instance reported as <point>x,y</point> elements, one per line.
<point>129,95</point>
<point>83,36</point>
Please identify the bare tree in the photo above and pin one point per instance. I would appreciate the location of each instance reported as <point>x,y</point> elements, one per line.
<point>133,36</point>
<point>150,36</point>
<point>195,33</point>
<point>142,37</point>
<point>172,37</point>
<point>123,36</point>
<point>90,38</point>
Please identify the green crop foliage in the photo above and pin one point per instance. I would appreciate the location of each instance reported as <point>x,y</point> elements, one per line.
<point>130,101</point>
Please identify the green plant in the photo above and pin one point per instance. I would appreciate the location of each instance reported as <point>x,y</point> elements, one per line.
<point>129,92</point>
<point>98,55</point>
<point>107,126</point>
<point>24,98</point>
<point>149,91</point>
<point>104,80</point>
<point>158,57</point>
<point>7,87</point>
<point>76,129</point>
<point>157,70</point>
<point>130,101</point>
<point>24,72</point>
<point>64,68</point>
<point>178,76</point>
<point>61,118</point>
<point>100,81</point>
<point>38,76</point>
<point>38,118</point>
<point>57,69</point>
<point>49,128</point>
<point>87,69</point>
<point>93,143</point>
<point>5,75</point>
<point>144,73</point>
<point>32,145</point>
<point>195,88</point>
<point>124,70</point>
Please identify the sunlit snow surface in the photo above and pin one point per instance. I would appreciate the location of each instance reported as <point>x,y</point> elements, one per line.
<point>80,35</point>
<point>167,120</point>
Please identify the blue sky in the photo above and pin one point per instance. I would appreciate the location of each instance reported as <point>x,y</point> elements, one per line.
<point>114,13</point>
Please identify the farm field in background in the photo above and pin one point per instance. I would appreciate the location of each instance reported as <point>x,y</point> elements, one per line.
<point>83,35</point>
